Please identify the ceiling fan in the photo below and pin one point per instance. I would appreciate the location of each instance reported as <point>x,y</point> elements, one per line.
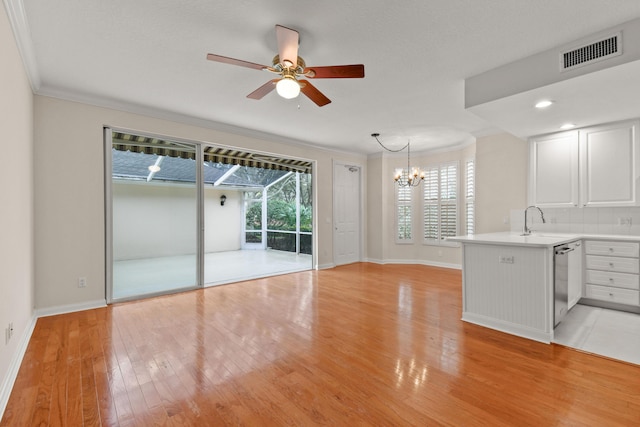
<point>290,68</point>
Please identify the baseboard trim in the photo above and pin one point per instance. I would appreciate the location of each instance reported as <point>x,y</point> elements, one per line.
<point>70,308</point>
<point>508,327</point>
<point>326,266</point>
<point>14,366</point>
<point>416,262</point>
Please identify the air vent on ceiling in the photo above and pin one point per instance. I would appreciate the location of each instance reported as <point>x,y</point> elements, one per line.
<point>597,51</point>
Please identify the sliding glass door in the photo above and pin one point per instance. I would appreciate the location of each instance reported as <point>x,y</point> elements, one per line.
<point>182,215</point>
<point>154,205</point>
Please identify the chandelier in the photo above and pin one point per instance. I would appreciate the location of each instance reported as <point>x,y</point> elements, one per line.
<point>414,176</point>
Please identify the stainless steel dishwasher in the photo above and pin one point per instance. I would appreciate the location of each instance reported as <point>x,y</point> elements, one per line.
<point>561,280</point>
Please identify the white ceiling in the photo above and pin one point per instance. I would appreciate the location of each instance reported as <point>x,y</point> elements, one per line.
<point>148,56</point>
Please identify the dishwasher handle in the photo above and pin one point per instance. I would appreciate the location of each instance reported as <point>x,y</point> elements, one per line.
<point>564,251</point>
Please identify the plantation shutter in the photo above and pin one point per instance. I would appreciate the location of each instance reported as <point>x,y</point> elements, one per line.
<point>448,201</point>
<point>430,205</point>
<point>403,210</point>
<point>440,203</point>
<point>470,184</point>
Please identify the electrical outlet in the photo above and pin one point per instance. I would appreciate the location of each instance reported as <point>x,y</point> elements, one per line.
<point>505,259</point>
<point>82,282</point>
<point>624,221</point>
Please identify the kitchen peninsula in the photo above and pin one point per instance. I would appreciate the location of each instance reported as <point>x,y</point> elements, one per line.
<point>508,282</point>
<point>508,278</point>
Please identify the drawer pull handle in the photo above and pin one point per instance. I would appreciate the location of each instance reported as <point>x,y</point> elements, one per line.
<point>610,294</point>
<point>610,249</point>
<point>610,279</point>
<point>611,264</point>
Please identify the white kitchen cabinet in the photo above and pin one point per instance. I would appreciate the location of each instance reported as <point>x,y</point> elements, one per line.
<point>590,167</point>
<point>611,273</point>
<point>554,170</point>
<point>609,164</point>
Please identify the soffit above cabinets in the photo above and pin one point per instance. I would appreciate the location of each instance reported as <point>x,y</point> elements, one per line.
<point>600,92</point>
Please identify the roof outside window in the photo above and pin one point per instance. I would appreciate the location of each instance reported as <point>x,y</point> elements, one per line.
<point>127,165</point>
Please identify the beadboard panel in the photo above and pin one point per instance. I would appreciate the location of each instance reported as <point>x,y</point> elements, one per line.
<point>517,294</point>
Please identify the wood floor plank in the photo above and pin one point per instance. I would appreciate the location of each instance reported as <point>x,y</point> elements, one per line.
<point>357,345</point>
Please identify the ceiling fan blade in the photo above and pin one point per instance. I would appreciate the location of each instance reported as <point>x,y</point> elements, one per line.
<point>288,40</point>
<point>263,90</point>
<point>313,94</point>
<point>335,72</point>
<point>232,61</point>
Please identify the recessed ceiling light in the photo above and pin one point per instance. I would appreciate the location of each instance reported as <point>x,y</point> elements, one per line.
<point>544,104</point>
<point>567,126</point>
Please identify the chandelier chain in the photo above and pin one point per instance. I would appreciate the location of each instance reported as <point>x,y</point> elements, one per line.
<point>375,135</point>
<point>414,177</point>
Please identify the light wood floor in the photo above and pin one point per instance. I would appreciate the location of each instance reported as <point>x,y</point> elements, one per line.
<point>362,344</point>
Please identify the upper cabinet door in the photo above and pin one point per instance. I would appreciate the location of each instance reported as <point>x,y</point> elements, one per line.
<point>553,172</point>
<point>609,164</point>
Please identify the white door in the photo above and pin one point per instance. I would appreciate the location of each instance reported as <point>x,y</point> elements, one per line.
<point>346,214</point>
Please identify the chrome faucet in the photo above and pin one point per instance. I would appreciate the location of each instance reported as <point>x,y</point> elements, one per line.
<point>526,230</point>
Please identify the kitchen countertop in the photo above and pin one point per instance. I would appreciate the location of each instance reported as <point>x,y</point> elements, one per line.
<point>535,239</point>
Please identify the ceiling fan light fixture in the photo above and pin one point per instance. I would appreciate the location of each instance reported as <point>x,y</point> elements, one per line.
<point>288,87</point>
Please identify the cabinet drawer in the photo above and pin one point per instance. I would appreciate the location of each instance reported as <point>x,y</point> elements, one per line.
<point>609,263</point>
<point>626,249</point>
<point>619,280</point>
<point>622,296</point>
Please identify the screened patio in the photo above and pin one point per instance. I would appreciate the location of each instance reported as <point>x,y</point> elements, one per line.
<point>257,216</point>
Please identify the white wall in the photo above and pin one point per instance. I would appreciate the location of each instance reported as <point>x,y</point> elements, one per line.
<point>69,183</point>
<point>501,180</point>
<point>16,205</point>
<point>153,220</point>
<point>375,212</point>
<point>222,224</point>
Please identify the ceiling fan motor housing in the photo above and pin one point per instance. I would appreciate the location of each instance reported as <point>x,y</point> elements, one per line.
<point>280,66</point>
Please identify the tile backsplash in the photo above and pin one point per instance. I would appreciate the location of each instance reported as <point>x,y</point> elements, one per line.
<point>622,221</point>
